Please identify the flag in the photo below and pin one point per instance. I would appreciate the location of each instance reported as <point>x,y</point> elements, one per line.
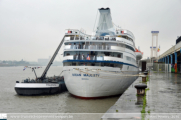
<point>31,68</point>
<point>158,49</point>
<point>25,68</point>
<point>88,58</point>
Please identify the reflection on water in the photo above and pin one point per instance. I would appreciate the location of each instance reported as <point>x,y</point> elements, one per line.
<point>10,102</point>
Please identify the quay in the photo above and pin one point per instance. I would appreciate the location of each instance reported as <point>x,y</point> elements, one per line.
<point>172,57</point>
<point>169,61</point>
<point>162,99</point>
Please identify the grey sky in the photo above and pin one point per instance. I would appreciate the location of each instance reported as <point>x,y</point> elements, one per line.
<point>32,29</point>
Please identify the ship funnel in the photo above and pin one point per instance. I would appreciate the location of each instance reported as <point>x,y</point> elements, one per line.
<point>105,25</point>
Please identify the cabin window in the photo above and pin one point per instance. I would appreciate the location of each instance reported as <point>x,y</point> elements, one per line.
<point>111,65</point>
<point>130,48</point>
<point>73,64</point>
<point>106,64</point>
<point>128,58</point>
<point>93,64</point>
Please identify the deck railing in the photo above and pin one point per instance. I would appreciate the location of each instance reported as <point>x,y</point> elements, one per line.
<point>110,38</point>
<point>94,47</point>
<point>92,57</point>
<point>119,39</point>
<point>83,32</point>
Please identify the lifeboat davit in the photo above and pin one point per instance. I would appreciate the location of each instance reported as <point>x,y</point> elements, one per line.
<point>139,54</point>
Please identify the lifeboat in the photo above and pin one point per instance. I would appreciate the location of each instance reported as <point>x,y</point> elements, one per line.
<point>139,54</point>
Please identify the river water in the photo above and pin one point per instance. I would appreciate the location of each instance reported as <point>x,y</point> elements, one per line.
<point>10,102</point>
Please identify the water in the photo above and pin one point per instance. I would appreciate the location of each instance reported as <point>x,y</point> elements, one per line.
<point>10,102</point>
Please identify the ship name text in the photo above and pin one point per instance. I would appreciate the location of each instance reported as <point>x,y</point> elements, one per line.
<point>86,75</point>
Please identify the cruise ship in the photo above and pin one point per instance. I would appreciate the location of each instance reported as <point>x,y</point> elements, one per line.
<point>103,64</point>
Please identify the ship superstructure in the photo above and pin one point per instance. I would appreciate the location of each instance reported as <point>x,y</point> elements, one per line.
<point>99,65</point>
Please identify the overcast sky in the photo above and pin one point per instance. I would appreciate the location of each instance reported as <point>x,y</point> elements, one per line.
<point>32,29</point>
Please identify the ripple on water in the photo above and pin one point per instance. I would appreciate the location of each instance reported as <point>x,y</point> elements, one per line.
<point>10,102</point>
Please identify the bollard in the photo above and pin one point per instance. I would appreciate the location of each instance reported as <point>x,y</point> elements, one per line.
<point>139,100</point>
<point>145,73</point>
<point>144,79</point>
<point>141,89</point>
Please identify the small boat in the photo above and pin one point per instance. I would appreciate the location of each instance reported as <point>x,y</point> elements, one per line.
<point>42,85</point>
<point>50,85</point>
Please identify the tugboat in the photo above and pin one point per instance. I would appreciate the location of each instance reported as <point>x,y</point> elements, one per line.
<point>42,85</point>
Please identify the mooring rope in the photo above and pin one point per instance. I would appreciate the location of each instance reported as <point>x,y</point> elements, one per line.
<point>107,72</point>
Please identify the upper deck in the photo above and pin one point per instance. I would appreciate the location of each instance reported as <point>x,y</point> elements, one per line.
<point>121,36</point>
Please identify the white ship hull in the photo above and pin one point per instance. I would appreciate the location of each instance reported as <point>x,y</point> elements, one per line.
<point>100,65</point>
<point>96,83</point>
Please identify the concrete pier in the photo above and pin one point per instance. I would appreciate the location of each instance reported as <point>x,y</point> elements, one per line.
<point>162,100</point>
